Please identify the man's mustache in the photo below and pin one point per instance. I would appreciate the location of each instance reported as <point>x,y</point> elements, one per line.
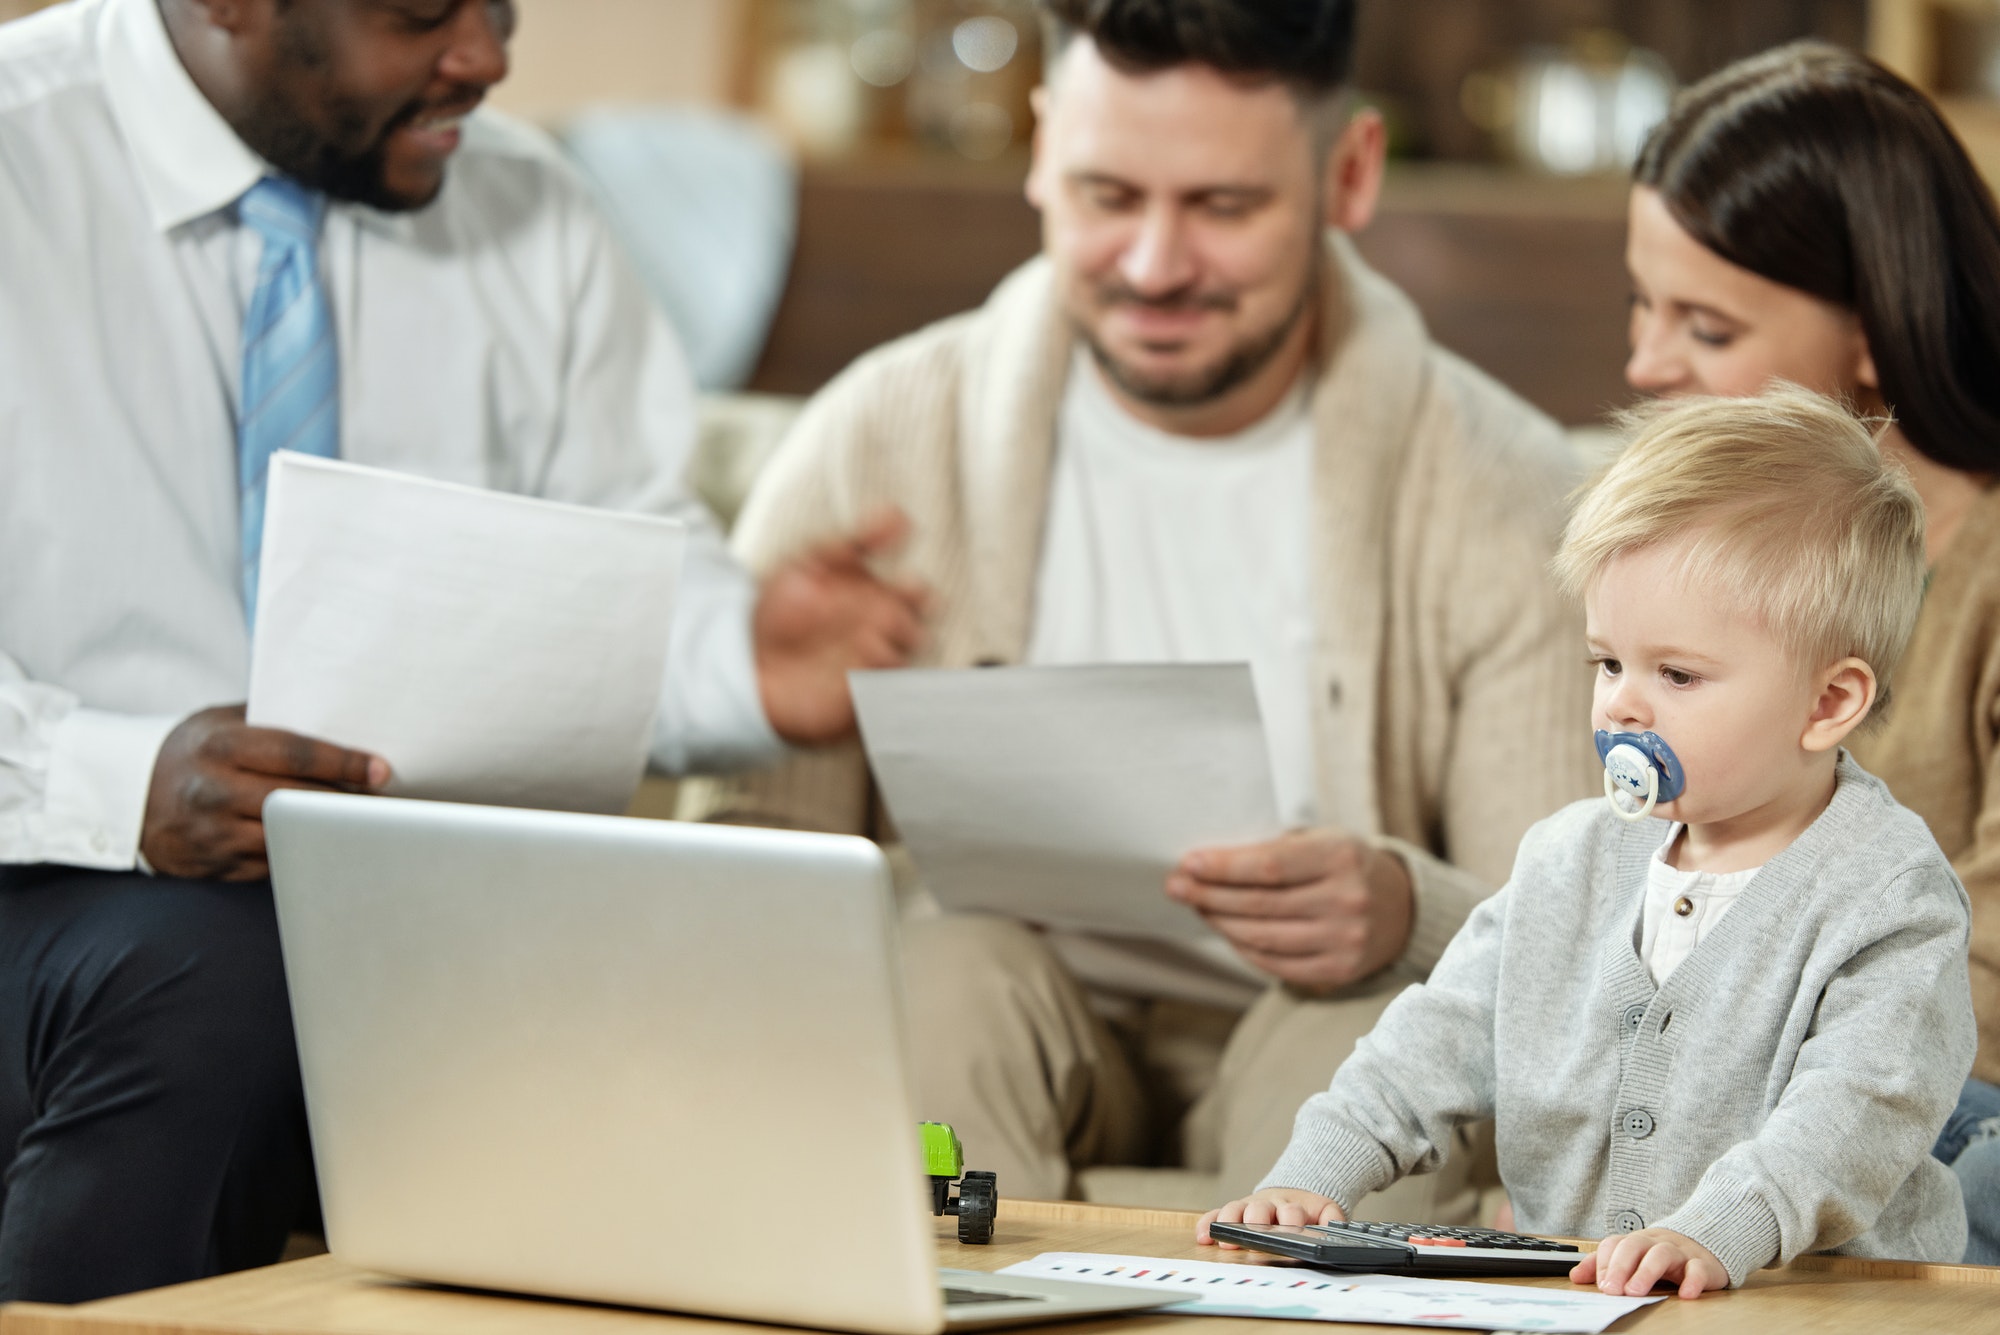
<point>1173,303</point>
<point>461,101</point>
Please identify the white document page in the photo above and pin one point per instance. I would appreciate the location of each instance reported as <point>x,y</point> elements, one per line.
<point>492,648</point>
<point>1220,1288</point>
<point>1064,795</point>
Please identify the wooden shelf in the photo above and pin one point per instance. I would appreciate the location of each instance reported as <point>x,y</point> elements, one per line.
<point>1921,40</point>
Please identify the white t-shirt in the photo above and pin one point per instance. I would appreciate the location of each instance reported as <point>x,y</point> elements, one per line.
<point>1681,908</point>
<point>1173,549</point>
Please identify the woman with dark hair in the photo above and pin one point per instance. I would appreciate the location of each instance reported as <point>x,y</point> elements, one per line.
<point>1806,215</point>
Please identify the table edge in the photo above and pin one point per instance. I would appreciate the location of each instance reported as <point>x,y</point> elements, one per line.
<point>27,1318</point>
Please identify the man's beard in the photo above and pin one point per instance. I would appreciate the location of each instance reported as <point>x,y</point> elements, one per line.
<point>324,159</point>
<point>1203,385</point>
<point>317,161</point>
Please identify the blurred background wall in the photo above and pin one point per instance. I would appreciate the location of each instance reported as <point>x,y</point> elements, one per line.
<point>572,52</point>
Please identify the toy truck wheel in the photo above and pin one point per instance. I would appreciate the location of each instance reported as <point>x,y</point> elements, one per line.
<point>978,1204</point>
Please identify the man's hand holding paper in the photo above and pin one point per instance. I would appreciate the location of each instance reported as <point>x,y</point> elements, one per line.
<point>205,805</point>
<point>1312,908</point>
<point>1128,800</point>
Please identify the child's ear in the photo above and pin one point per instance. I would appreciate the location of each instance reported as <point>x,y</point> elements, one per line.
<point>1846,693</point>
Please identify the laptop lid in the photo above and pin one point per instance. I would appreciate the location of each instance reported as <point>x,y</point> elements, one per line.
<point>622,1060</point>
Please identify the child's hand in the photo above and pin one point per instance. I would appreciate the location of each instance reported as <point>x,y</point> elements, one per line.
<point>1274,1205</point>
<point>1630,1264</point>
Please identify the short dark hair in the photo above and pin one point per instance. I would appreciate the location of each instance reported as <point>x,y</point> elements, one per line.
<point>1819,169</point>
<point>1307,45</point>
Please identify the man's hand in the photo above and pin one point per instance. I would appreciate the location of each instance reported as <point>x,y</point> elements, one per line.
<point>1273,1205</point>
<point>1630,1264</point>
<point>825,612</point>
<point>1311,908</point>
<point>205,809</point>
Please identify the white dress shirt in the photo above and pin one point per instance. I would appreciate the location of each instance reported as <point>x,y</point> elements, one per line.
<point>495,338</point>
<point>1166,549</point>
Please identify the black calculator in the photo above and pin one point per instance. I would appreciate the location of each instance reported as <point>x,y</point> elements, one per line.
<point>1405,1249</point>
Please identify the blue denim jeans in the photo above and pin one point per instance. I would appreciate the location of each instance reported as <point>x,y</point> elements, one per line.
<point>1970,1143</point>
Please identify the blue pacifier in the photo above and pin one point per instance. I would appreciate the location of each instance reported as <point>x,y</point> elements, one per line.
<point>1641,767</point>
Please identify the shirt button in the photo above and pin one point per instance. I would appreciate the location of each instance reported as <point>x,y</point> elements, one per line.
<point>1633,1015</point>
<point>1683,906</point>
<point>1638,1124</point>
<point>1627,1221</point>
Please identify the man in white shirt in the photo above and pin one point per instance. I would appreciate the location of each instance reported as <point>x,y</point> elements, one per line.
<point>227,227</point>
<point>1198,428</point>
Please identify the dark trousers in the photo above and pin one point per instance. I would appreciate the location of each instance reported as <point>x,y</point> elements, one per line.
<point>151,1121</point>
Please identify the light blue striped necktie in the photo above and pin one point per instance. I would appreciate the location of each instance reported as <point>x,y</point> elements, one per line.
<point>291,368</point>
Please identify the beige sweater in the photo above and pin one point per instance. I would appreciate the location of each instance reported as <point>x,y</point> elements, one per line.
<point>1939,746</point>
<point>1452,696</point>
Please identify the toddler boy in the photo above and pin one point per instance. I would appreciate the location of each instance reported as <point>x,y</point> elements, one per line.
<point>1722,1014</point>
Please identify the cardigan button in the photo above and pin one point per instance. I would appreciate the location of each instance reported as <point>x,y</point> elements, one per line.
<point>1627,1221</point>
<point>1634,1014</point>
<point>1638,1124</point>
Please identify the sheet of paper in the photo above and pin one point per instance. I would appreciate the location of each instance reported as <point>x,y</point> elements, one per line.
<point>1219,1288</point>
<point>492,648</point>
<point>1064,795</point>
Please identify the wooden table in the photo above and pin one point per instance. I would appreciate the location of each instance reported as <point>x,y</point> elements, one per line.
<point>320,1296</point>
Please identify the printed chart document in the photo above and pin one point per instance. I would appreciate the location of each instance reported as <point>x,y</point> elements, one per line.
<point>1065,795</point>
<point>1218,1288</point>
<point>492,648</point>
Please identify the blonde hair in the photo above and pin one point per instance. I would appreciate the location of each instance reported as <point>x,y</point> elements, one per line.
<point>1789,511</point>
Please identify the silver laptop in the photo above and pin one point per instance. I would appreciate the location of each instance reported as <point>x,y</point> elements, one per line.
<point>621,1060</point>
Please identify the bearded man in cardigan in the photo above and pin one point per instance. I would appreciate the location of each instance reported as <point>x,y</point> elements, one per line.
<point>1198,428</point>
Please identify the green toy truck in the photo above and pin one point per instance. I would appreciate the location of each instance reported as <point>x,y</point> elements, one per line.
<point>978,1198</point>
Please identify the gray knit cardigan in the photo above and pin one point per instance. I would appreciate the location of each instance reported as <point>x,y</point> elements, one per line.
<point>1778,1094</point>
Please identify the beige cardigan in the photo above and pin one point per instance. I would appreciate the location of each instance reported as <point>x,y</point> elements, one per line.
<point>1939,746</point>
<point>1451,690</point>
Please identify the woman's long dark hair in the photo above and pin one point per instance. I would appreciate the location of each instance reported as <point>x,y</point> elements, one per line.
<point>1819,169</point>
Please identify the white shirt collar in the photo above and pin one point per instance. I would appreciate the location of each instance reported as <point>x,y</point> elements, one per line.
<point>189,161</point>
<point>1665,877</point>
